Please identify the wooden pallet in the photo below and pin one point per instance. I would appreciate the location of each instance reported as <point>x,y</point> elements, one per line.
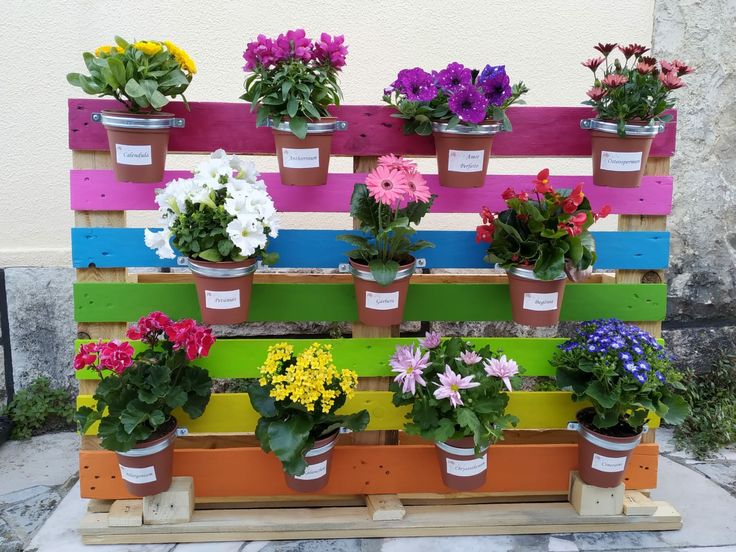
<point>394,515</point>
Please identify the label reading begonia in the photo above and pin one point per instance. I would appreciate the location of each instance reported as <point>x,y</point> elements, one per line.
<point>608,464</point>
<point>313,471</point>
<point>540,301</point>
<point>133,155</point>
<point>381,301</point>
<point>138,475</point>
<point>465,160</point>
<point>621,161</point>
<point>300,158</point>
<point>467,468</point>
<point>222,300</point>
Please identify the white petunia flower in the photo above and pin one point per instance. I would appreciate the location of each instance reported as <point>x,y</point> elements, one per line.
<point>160,242</point>
<point>247,235</point>
<point>245,170</point>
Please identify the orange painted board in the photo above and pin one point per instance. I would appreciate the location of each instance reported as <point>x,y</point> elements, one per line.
<point>379,469</point>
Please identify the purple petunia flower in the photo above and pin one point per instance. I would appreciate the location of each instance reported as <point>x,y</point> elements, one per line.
<point>454,77</point>
<point>469,104</point>
<point>495,84</point>
<point>417,84</point>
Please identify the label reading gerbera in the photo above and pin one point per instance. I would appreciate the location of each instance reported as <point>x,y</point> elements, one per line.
<point>313,471</point>
<point>621,161</point>
<point>133,155</point>
<point>381,301</point>
<point>138,475</point>
<point>222,300</point>
<point>300,158</point>
<point>608,464</point>
<point>467,468</point>
<point>540,301</point>
<point>465,160</point>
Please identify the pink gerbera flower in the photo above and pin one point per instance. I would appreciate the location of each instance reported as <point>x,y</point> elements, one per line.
<point>502,368</point>
<point>451,384</point>
<point>409,363</point>
<point>418,189</point>
<point>397,162</point>
<point>386,185</point>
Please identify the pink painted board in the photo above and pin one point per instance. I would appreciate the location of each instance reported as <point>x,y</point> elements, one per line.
<point>97,190</point>
<point>538,131</point>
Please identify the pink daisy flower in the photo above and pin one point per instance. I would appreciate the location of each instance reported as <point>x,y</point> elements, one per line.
<point>386,185</point>
<point>397,162</point>
<point>502,368</point>
<point>418,189</point>
<point>451,384</point>
<point>469,357</point>
<point>409,363</point>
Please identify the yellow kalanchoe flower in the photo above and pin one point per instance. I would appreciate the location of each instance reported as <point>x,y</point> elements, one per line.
<point>186,62</point>
<point>148,47</point>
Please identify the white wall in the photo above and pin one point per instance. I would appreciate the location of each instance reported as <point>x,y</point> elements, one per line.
<point>541,42</point>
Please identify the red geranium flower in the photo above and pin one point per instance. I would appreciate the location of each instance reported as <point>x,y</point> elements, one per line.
<point>116,355</point>
<point>486,215</point>
<point>508,193</point>
<point>86,356</point>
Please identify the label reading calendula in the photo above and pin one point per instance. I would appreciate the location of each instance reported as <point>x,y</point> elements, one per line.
<point>313,471</point>
<point>222,300</point>
<point>540,301</point>
<point>608,464</point>
<point>467,468</point>
<point>465,160</point>
<point>300,158</point>
<point>381,301</point>
<point>133,155</point>
<point>621,161</point>
<point>138,475</point>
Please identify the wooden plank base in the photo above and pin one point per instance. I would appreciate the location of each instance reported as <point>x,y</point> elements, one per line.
<point>357,521</point>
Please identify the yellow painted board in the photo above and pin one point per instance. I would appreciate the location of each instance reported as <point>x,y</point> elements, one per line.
<point>232,412</point>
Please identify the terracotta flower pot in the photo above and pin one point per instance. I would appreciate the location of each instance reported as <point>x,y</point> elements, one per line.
<point>461,469</point>
<point>535,302</point>
<point>146,468</point>
<point>381,305</point>
<point>223,289</point>
<point>138,143</point>
<point>463,152</point>
<point>601,458</point>
<point>305,162</point>
<point>318,470</point>
<point>619,162</point>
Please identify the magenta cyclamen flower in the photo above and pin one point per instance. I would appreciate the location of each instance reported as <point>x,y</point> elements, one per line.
<point>431,340</point>
<point>409,363</point>
<point>469,357</point>
<point>416,84</point>
<point>502,368</point>
<point>331,50</point>
<point>454,77</point>
<point>495,84</point>
<point>451,384</point>
<point>259,52</point>
<point>294,44</point>
<point>469,104</point>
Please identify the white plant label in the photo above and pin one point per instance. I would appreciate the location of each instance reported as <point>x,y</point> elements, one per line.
<point>467,468</point>
<point>138,475</point>
<point>313,471</point>
<point>222,300</point>
<point>608,464</point>
<point>300,158</point>
<point>133,155</point>
<point>621,161</point>
<point>381,301</point>
<point>465,160</point>
<point>540,301</point>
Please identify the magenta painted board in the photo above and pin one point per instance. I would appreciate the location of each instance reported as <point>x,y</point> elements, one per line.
<point>538,131</point>
<point>97,190</point>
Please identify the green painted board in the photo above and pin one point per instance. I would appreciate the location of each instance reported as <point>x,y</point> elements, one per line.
<point>125,302</point>
<point>240,358</point>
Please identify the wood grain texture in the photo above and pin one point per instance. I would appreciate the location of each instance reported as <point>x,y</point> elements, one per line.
<point>371,131</point>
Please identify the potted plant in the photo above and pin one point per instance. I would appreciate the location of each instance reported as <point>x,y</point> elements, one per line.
<point>138,393</point>
<point>394,197</point>
<point>142,76</point>
<point>457,399</point>
<point>297,396</point>
<point>464,108</point>
<point>221,219</point>
<point>629,100</point>
<point>292,82</point>
<point>541,239</point>
<point>626,376</point>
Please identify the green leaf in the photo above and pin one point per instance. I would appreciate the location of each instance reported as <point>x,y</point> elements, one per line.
<point>158,100</point>
<point>445,430</point>
<point>287,438</point>
<point>604,397</point>
<point>212,255</point>
<point>678,409</point>
<point>468,419</point>
<point>291,107</point>
<point>261,401</point>
<point>298,125</point>
<point>262,433</point>
<point>356,422</point>
<point>134,90</point>
<point>384,272</point>
<point>133,415</point>
<point>118,70</point>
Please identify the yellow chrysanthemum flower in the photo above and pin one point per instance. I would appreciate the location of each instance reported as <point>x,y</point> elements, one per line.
<point>186,62</point>
<point>148,47</point>
<point>107,50</point>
